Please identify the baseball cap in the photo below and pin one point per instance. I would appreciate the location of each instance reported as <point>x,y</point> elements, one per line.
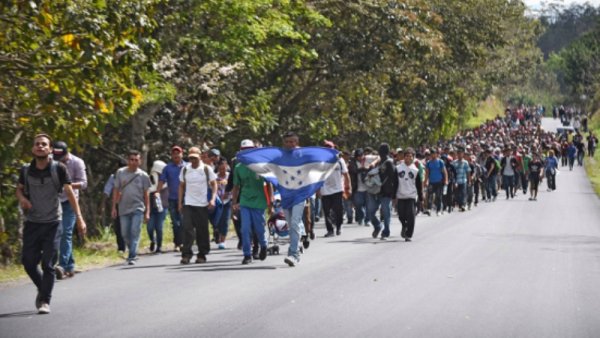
<point>329,144</point>
<point>194,152</point>
<point>59,150</point>
<point>214,152</point>
<point>246,144</point>
<point>176,148</point>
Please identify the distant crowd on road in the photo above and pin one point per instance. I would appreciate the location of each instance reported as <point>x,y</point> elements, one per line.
<point>201,187</point>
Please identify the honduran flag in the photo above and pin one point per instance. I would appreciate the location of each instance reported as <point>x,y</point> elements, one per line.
<point>297,173</point>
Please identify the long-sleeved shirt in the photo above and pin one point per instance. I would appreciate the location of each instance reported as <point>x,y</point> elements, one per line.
<point>76,169</point>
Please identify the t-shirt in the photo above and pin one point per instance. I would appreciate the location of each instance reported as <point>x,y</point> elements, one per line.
<point>508,169</point>
<point>462,169</point>
<point>490,163</point>
<point>132,193</point>
<point>535,168</point>
<point>170,175</point>
<point>407,181</point>
<point>43,192</point>
<point>335,183</point>
<point>436,170</point>
<point>196,185</point>
<point>252,187</point>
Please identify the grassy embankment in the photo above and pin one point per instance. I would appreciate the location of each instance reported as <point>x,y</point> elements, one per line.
<point>592,165</point>
<point>97,252</point>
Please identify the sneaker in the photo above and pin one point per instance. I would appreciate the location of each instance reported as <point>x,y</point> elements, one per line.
<point>200,259</point>
<point>177,248</point>
<point>44,309</point>
<point>376,232</point>
<point>329,234</point>
<point>158,251</point>
<point>59,271</point>
<point>38,300</point>
<point>403,233</point>
<point>131,262</point>
<point>69,274</point>
<point>338,231</point>
<point>407,239</point>
<point>291,261</point>
<point>368,224</point>
<point>221,246</point>
<point>247,260</point>
<point>384,238</point>
<point>185,260</point>
<point>531,198</point>
<point>152,246</point>
<point>360,223</point>
<point>255,252</point>
<point>262,253</point>
<point>311,235</point>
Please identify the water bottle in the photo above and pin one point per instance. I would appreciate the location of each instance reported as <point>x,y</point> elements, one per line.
<point>158,202</point>
<point>445,189</point>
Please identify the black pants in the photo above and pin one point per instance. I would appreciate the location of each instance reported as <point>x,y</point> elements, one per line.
<point>118,234</point>
<point>406,214</point>
<point>435,190</point>
<point>195,226</point>
<point>40,244</point>
<point>333,209</point>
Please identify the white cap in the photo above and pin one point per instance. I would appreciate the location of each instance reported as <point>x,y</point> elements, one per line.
<point>246,144</point>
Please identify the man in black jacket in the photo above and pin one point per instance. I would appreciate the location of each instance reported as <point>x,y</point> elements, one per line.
<point>385,195</point>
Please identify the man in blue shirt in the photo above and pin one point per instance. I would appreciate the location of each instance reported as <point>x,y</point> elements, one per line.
<point>463,178</point>
<point>170,175</point>
<point>436,177</point>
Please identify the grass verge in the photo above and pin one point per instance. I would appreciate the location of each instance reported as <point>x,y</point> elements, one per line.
<point>592,165</point>
<point>486,110</point>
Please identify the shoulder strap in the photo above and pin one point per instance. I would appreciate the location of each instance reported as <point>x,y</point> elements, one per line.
<point>54,175</point>
<point>25,179</point>
<point>184,172</point>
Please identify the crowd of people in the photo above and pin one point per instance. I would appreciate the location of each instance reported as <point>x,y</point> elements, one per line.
<point>511,153</point>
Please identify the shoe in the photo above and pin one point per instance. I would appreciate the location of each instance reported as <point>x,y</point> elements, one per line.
<point>403,233</point>
<point>407,240</point>
<point>152,246</point>
<point>383,238</point>
<point>437,213</point>
<point>360,223</point>
<point>60,272</point>
<point>239,246</point>
<point>367,224</point>
<point>38,300</point>
<point>44,309</point>
<point>317,218</point>
<point>376,232</point>
<point>221,246</point>
<point>131,262</point>
<point>531,198</point>
<point>158,251</point>
<point>338,232</point>
<point>247,260</point>
<point>185,260</point>
<point>177,248</point>
<point>311,235</point>
<point>200,259</point>
<point>262,253</point>
<point>69,274</point>
<point>329,234</point>
<point>291,261</point>
<point>305,243</point>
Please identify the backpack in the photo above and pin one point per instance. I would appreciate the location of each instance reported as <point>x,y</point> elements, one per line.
<point>53,175</point>
<point>373,180</point>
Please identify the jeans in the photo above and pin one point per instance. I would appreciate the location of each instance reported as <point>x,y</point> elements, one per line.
<point>373,204</point>
<point>359,198</point>
<point>176,222</point>
<point>461,194</point>
<point>580,156</point>
<point>195,227</point>
<point>490,187</point>
<point>551,179</point>
<point>131,228</point>
<point>40,245</point>
<point>294,219</point>
<point>436,189</point>
<point>253,221</point>
<point>223,224</point>
<point>508,183</point>
<point>333,209</point>
<point>348,210</point>
<point>65,258</point>
<point>571,162</point>
<point>155,225</point>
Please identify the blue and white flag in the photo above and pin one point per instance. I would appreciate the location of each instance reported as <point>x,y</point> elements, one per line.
<point>297,173</point>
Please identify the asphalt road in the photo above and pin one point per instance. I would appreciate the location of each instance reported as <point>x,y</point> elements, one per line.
<point>513,268</point>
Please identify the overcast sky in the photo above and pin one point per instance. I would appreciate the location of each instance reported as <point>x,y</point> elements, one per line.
<point>534,4</point>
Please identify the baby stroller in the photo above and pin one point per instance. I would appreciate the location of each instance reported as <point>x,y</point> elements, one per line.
<point>279,232</point>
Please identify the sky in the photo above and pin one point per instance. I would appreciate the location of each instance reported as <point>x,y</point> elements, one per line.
<point>535,4</point>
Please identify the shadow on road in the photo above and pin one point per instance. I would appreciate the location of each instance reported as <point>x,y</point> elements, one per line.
<point>18,314</point>
<point>215,268</point>
<point>367,241</point>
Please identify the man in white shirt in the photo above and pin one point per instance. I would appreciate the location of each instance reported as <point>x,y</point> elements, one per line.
<point>409,188</point>
<point>332,195</point>
<point>194,204</point>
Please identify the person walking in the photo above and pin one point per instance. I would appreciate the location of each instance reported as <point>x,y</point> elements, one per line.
<point>536,174</point>
<point>76,169</point>
<point>409,189</point>
<point>462,179</point>
<point>131,195</point>
<point>381,198</point>
<point>436,178</point>
<point>158,211</point>
<point>195,181</point>
<point>550,168</point>
<point>508,168</point>
<point>170,176</point>
<point>38,192</point>
<point>332,197</point>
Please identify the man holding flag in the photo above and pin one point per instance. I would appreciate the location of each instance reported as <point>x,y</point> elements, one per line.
<point>297,173</point>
